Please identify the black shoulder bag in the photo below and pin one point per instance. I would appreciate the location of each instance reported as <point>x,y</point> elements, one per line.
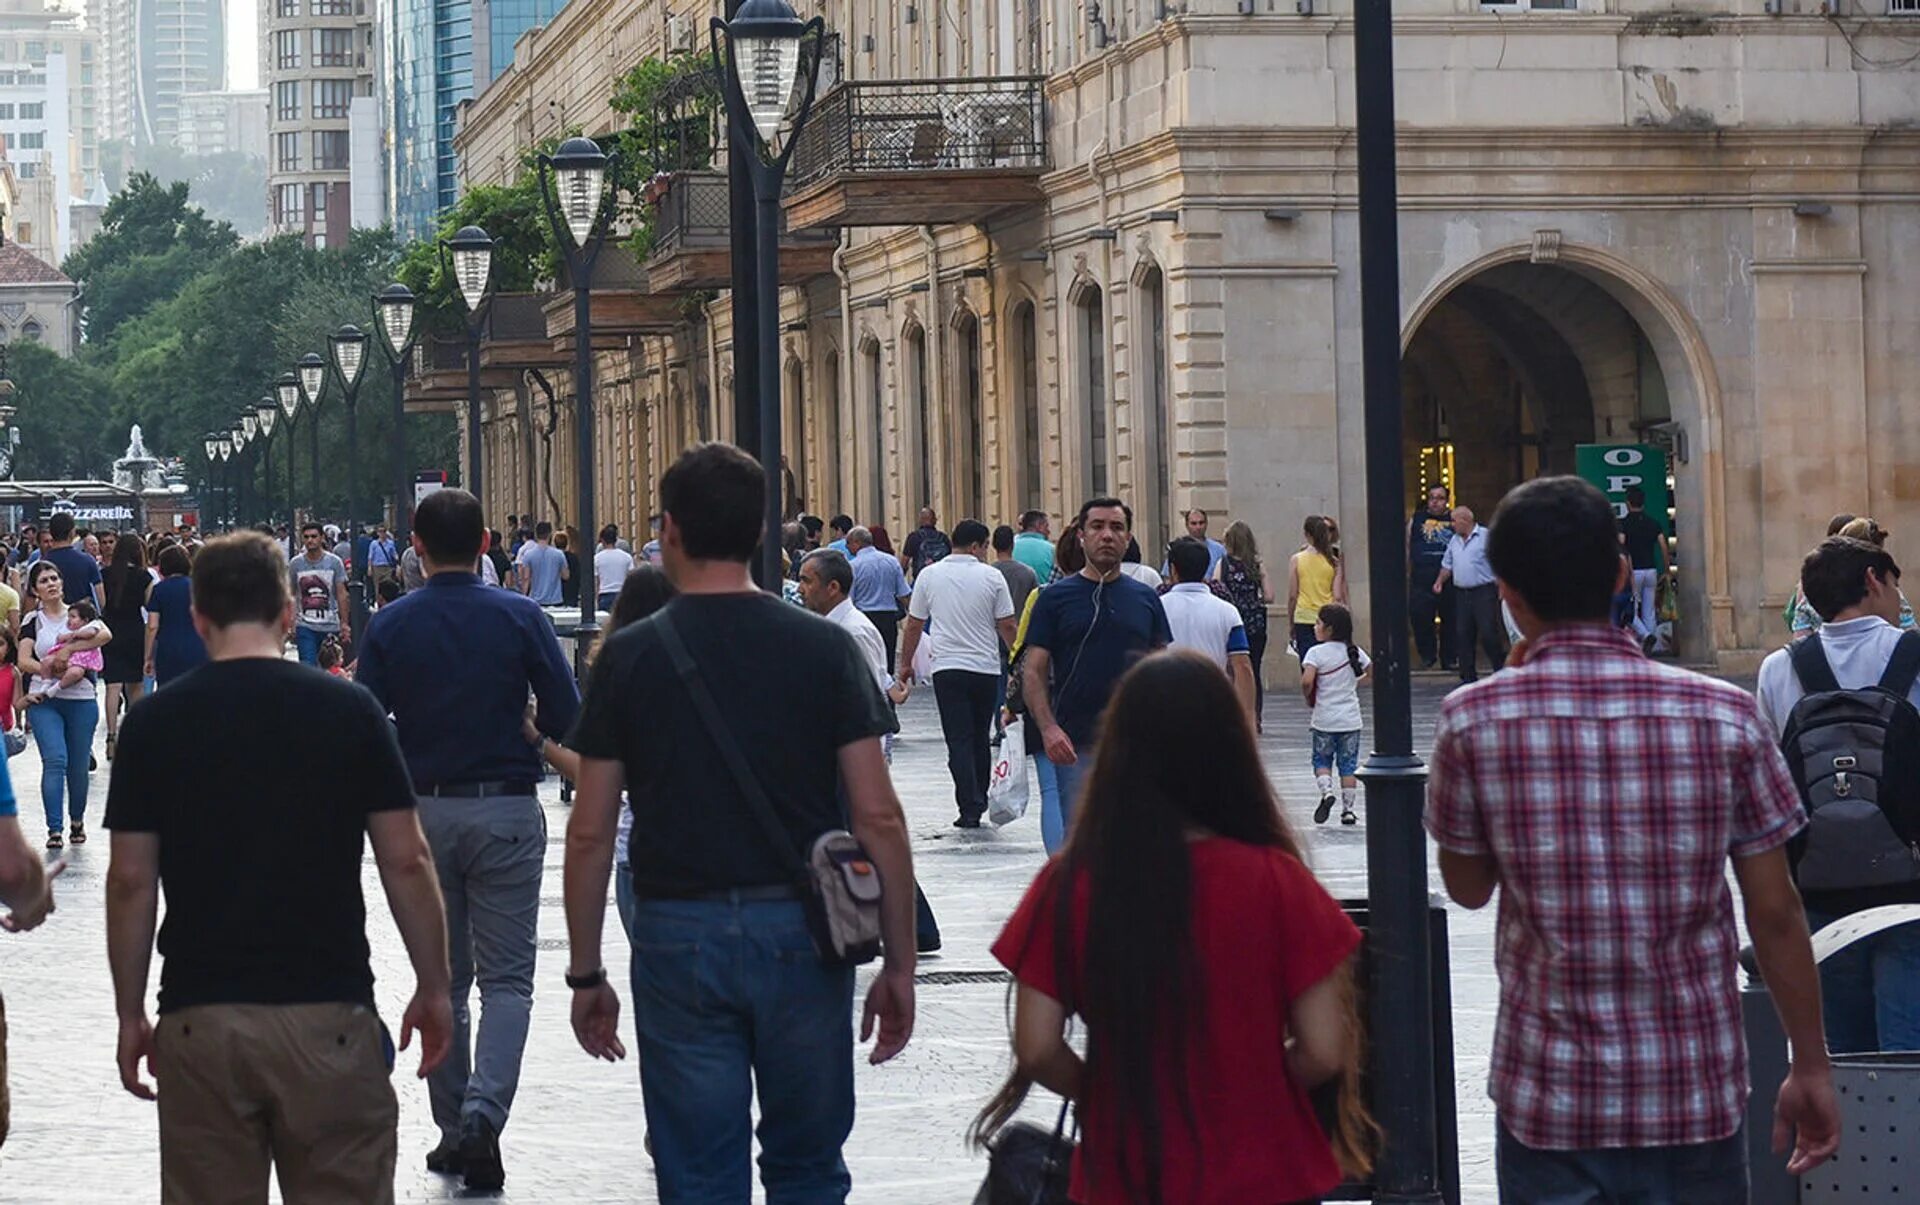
<point>837,883</point>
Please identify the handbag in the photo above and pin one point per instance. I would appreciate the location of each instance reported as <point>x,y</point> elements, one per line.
<point>1028,1166</point>
<point>16,742</point>
<point>836,881</point>
<point>1007,784</point>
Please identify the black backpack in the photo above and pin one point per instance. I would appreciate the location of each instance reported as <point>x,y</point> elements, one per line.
<point>1855,755</point>
<point>934,546</point>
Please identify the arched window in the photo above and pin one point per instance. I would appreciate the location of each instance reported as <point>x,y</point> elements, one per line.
<point>1026,394</point>
<point>969,459</point>
<point>1091,334</point>
<point>870,373</point>
<point>920,489</point>
<point>30,330</point>
<point>829,491</point>
<point>795,443</point>
<point>1153,396</point>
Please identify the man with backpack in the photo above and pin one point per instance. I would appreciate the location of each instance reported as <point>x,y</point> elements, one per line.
<point>1844,702</point>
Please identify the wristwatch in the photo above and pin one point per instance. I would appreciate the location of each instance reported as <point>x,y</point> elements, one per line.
<point>591,979</point>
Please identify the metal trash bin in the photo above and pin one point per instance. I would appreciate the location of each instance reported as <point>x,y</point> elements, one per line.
<point>1880,1121</point>
<point>1879,1093</point>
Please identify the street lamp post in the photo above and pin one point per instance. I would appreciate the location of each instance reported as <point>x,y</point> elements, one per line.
<point>758,71</point>
<point>226,475</point>
<point>286,389</point>
<point>213,464</point>
<point>394,308</point>
<point>1400,996</point>
<point>243,424</point>
<point>468,256</point>
<point>265,412</point>
<point>311,372</point>
<point>349,345</point>
<point>577,172</point>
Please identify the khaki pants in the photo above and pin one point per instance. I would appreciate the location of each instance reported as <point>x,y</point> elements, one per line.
<point>304,1088</point>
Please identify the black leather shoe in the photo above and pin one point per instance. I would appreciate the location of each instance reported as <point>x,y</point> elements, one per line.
<point>480,1154</point>
<point>445,1159</point>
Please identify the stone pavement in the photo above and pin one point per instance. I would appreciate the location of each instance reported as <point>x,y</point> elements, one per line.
<point>576,1129</point>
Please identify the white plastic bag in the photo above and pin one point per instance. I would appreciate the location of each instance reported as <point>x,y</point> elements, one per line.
<point>1007,783</point>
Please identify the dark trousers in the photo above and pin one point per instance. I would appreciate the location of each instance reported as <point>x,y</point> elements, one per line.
<point>1427,609</point>
<point>1256,653</point>
<point>966,720</point>
<point>889,624</point>
<point>1477,616</point>
<point>1706,1173</point>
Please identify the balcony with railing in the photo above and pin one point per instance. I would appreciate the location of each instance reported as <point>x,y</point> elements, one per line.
<point>516,333</point>
<point>919,152</point>
<point>623,305</point>
<point>693,245</point>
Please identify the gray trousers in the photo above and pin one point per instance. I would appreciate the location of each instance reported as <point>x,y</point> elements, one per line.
<point>489,853</point>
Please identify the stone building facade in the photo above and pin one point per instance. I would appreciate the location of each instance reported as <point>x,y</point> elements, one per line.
<point>1690,225</point>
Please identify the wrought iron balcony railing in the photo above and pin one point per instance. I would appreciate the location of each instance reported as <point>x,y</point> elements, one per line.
<point>695,214</point>
<point>924,125</point>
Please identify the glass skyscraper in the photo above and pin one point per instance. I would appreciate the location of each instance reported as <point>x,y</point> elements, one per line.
<point>442,52</point>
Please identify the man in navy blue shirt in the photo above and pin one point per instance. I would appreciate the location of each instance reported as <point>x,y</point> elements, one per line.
<point>79,573</point>
<point>453,663</point>
<point>1086,631</point>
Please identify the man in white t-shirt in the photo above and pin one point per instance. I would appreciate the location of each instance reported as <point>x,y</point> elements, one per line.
<point>1203,621</point>
<point>968,605</point>
<point>610,567</point>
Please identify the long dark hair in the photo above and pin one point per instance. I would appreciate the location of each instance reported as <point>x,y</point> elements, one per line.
<point>1339,624</point>
<point>1137,972</point>
<point>1320,534</point>
<point>646,590</point>
<point>128,570</point>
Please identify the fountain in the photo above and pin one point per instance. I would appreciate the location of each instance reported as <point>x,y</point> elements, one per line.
<point>139,470</point>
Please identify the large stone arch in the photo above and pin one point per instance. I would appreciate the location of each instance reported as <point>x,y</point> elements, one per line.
<point>1692,382</point>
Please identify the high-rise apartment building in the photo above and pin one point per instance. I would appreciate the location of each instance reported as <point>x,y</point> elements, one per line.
<point>442,52</point>
<point>317,57</point>
<point>154,52</point>
<point>217,123</point>
<point>48,120</point>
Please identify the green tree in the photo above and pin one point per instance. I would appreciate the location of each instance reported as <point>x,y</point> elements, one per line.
<point>152,242</point>
<point>66,430</point>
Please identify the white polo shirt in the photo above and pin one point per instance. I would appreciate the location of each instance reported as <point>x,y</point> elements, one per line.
<point>1204,622</point>
<point>961,600</point>
<point>867,637</point>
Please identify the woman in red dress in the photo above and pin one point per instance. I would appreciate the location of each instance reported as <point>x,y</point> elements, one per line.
<point>1208,965</point>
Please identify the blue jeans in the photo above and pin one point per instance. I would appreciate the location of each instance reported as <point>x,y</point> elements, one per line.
<point>309,640</point>
<point>1871,990</point>
<point>623,897</point>
<point>1053,826</point>
<point>1707,1173</point>
<point>63,728</point>
<point>1067,780</point>
<point>728,995</point>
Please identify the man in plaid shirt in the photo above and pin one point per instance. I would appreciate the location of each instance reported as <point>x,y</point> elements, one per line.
<point>1604,794</point>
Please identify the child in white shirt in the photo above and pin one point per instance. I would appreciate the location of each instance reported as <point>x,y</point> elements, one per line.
<point>1331,675</point>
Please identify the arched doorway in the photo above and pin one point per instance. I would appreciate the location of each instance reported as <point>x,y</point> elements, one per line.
<point>1511,365</point>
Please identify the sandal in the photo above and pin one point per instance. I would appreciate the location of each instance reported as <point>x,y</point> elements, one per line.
<point>77,832</point>
<point>55,841</point>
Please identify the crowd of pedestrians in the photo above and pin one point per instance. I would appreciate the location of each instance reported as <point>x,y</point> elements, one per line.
<point>731,754</point>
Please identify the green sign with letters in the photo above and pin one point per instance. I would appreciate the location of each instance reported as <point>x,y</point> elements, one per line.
<point>1614,467</point>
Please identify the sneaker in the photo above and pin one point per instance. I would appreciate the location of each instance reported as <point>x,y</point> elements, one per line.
<point>480,1154</point>
<point>445,1159</point>
<point>967,822</point>
<point>1325,809</point>
<point>1347,816</point>
<point>1428,663</point>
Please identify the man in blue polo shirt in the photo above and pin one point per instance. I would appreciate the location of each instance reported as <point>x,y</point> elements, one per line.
<point>454,663</point>
<point>1086,631</point>
<point>879,587</point>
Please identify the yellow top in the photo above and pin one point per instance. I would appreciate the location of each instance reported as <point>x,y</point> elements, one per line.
<point>1315,575</point>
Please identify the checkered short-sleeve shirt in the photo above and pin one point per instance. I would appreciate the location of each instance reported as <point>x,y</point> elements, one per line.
<point>1611,791</point>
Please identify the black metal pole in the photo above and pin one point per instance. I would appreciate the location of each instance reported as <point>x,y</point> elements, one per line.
<point>313,448</point>
<point>266,478</point>
<point>474,321</point>
<point>767,290</point>
<point>402,495</point>
<point>743,156</point>
<point>589,629</point>
<point>1400,1017</point>
<point>293,503</point>
<point>357,576</point>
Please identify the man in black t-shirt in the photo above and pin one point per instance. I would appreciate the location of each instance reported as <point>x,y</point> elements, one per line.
<point>731,983</point>
<point>1646,543</point>
<point>264,945</point>
<point>1428,535</point>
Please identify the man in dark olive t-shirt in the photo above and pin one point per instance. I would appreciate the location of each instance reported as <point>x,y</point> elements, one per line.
<point>265,945</point>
